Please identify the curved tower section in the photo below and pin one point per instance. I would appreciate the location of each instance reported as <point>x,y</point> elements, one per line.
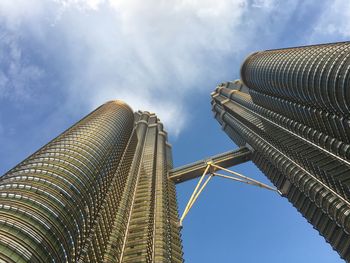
<point>291,110</point>
<point>50,202</point>
<point>310,84</point>
<point>97,193</point>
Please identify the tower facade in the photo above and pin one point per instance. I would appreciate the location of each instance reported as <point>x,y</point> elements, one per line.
<point>99,192</point>
<point>291,108</point>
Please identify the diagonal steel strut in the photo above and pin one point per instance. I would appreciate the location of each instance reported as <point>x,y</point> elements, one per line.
<point>210,169</point>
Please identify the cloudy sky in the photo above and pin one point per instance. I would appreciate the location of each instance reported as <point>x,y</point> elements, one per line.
<point>59,59</point>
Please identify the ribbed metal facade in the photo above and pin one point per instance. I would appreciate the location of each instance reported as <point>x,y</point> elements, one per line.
<point>99,192</point>
<point>292,112</point>
<point>152,232</point>
<point>309,84</point>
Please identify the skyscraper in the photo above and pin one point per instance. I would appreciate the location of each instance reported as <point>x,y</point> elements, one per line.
<point>99,192</point>
<point>291,108</point>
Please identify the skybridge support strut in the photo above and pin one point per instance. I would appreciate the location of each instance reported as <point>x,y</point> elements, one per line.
<point>206,170</point>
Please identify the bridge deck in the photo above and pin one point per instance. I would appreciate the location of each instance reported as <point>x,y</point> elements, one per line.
<point>196,169</point>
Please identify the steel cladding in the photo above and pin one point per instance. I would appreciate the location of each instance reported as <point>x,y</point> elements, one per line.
<point>292,110</point>
<point>98,192</point>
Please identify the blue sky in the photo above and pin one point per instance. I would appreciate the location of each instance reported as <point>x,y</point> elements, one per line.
<point>59,59</point>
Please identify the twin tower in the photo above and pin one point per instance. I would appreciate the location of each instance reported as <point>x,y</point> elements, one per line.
<point>102,190</point>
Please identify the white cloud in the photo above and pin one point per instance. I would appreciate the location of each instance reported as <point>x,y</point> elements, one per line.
<point>15,72</point>
<point>84,4</point>
<point>152,54</point>
<point>334,23</point>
